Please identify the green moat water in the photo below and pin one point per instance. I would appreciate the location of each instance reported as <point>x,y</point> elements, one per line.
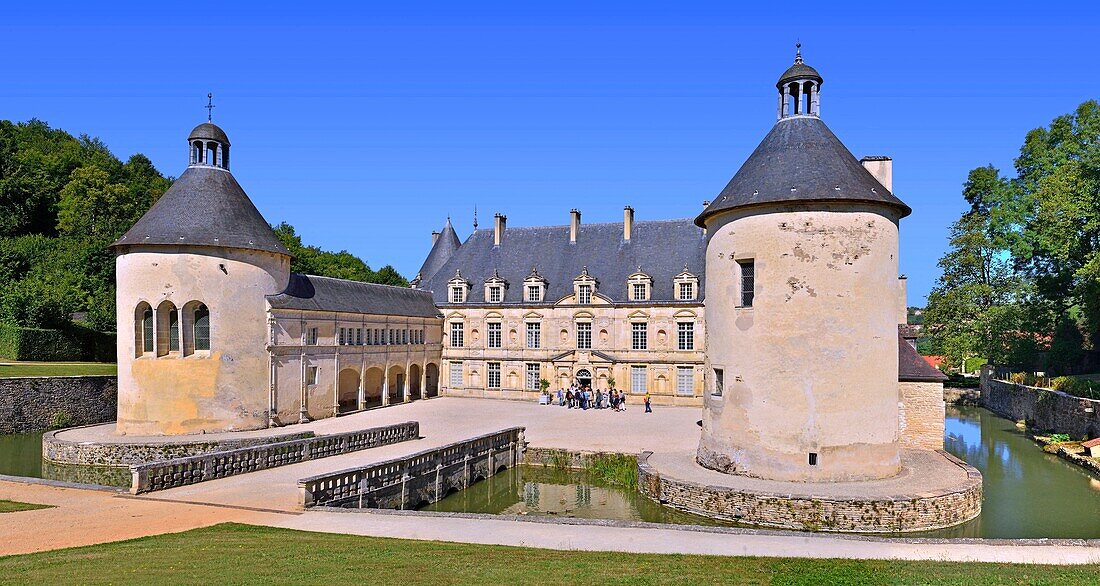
<point>1027,492</point>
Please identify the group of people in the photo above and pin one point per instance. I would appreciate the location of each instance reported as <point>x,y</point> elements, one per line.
<point>583,397</point>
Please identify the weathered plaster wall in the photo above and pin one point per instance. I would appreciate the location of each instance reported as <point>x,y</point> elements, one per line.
<point>921,415</point>
<point>38,403</point>
<point>223,389</point>
<point>1042,409</point>
<point>812,366</point>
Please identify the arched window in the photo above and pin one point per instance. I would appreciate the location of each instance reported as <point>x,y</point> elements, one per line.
<point>168,329</point>
<point>143,329</point>
<point>202,328</point>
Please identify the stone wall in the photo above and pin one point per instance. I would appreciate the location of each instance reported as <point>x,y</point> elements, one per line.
<point>1042,409</point>
<point>900,513</point>
<point>962,396</point>
<point>81,453</point>
<point>39,403</point>
<point>920,415</point>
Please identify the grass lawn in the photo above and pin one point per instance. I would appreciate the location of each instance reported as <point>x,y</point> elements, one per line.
<point>14,507</point>
<point>242,554</point>
<point>17,369</point>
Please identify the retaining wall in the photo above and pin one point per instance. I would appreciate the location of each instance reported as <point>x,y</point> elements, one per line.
<point>38,403</point>
<point>899,513</point>
<point>1041,409</point>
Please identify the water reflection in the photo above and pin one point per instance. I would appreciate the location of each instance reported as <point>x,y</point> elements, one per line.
<point>1027,492</point>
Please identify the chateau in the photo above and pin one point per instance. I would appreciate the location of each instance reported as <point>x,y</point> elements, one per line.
<point>776,311</point>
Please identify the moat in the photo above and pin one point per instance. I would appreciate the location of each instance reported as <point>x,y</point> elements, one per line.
<point>1027,493</point>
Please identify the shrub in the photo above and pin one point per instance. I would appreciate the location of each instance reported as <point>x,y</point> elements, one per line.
<point>71,344</point>
<point>1058,438</point>
<point>60,419</point>
<point>972,364</point>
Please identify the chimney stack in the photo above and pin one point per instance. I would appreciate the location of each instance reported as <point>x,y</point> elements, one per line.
<point>574,224</point>
<point>882,168</point>
<point>435,236</point>
<point>628,222</point>
<point>499,221</point>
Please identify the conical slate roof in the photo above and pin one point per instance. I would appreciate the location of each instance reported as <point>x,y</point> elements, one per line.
<point>204,207</point>
<point>801,160</point>
<point>441,251</point>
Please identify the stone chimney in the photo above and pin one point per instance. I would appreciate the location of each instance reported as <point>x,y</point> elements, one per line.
<point>499,220</point>
<point>628,222</point>
<point>574,224</point>
<point>435,236</point>
<point>882,168</point>
<point>903,300</point>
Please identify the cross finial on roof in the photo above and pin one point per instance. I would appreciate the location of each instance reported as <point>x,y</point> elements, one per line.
<point>210,107</point>
<point>475,217</point>
<point>798,52</point>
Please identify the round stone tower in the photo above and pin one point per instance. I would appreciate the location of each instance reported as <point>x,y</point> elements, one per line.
<point>192,275</point>
<point>801,306</point>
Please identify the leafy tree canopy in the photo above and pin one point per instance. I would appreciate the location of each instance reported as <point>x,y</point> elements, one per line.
<point>311,260</point>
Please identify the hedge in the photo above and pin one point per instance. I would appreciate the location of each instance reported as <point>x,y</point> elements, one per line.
<point>75,343</point>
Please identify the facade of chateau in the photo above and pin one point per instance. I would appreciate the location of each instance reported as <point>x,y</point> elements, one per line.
<point>600,305</point>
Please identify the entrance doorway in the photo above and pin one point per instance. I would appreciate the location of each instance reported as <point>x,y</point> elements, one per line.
<point>584,378</point>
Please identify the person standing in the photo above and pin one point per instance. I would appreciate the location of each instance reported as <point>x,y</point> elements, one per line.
<point>648,408</point>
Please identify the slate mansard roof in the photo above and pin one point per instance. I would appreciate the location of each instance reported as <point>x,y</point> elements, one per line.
<point>204,207</point>
<point>310,292</point>
<point>801,160</point>
<point>661,249</point>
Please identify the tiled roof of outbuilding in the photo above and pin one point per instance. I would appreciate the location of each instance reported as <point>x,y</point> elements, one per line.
<point>310,292</point>
<point>660,249</point>
<point>205,206</point>
<point>801,160</point>
<point>913,368</point>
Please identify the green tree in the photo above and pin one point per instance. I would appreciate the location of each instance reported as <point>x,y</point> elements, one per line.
<point>311,260</point>
<point>92,207</point>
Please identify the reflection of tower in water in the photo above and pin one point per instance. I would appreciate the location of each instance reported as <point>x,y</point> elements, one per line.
<point>584,495</point>
<point>531,495</point>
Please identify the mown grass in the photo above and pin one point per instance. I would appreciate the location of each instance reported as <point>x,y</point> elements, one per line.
<point>18,369</point>
<point>242,554</point>
<point>15,507</point>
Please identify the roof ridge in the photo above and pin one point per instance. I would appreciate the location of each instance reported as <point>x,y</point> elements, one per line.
<point>566,226</point>
<point>356,282</point>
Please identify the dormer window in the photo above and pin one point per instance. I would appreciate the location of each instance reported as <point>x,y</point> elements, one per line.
<point>584,286</point>
<point>534,287</point>
<point>494,288</point>
<point>584,294</point>
<point>686,286</point>
<point>457,288</point>
<point>639,285</point>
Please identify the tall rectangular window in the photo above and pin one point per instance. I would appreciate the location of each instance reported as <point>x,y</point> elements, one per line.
<point>457,331</point>
<point>584,336</point>
<point>748,282</point>
<point>174,331</point>
<point>311,336</point>
<point>639,292</point>
<point>202,328</point>
<point>311,375</point>
<point>493,370</point>
<point>147,331</point>
<point>532,376</point>
<point>456,374</point>
<point>458,294</point>
<point>687,291</point>
<point>685,335</point>
<point>496,293</point>
<point>405,337</point>
<point>584,294</point>
<point>534,293</point>
<point>719,382</point>
<point>392,336</point>
<point>637,380</point>
<point>685,381</point>
<point>494,334</point>
<point>340,336</point>
<point>358,336</point>
<point>639,335</point>
<point>534,334</point>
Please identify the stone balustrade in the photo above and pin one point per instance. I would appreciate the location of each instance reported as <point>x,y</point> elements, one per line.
<point>420,478</point>
<point>183,471</point>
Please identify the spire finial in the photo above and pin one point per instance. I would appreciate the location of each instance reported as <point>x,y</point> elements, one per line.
<point>210,107</point>
<point>475,217</point>
<point>798,52</point>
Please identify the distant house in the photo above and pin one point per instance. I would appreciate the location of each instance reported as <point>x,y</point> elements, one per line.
<point>1092,447</point>
<point>934,361</point>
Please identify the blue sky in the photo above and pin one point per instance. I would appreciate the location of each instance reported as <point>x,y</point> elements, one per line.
<point>365,125</point>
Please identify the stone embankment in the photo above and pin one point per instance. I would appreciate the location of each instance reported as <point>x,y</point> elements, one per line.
<point>1041,409</point>
<point>31,404</point>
